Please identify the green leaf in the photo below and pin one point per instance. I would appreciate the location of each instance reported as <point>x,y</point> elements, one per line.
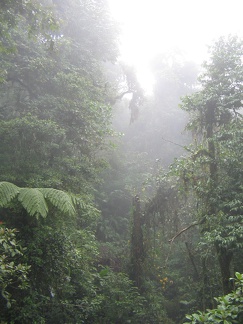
<point>60,199</point>
<point>33,201</point>
<point>104,272</point>
<point>8,191</point>
<point>239,276</point>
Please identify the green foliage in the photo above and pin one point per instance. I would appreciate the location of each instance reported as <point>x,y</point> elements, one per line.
<point>203,221</point>
<point>117,301</point>
<point>62,274</point>
<point>229,309</point>
<point>222,82</point>
<point>222,226</point>
<point>55,116</point>
<point>13,272</point>
<point>35,200</point>
<point>60,199</point>
<point>54,105</point>
<point>8,191</point>
<point>212,173</point>
<point>35,15</point>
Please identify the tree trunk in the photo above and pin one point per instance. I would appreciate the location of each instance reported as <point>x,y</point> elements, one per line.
<point>224,258</point>
<point>137,248</point>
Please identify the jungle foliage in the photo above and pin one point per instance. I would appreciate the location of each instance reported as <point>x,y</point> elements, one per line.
<point>100,227</point>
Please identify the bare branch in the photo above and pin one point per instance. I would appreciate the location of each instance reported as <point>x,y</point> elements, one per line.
<point>184,147</point>
<point>183,230</point>
<point>178,234</point>
<point>123,94</point>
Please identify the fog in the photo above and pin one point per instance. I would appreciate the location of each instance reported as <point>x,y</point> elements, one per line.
<point>165,43</point>
<point>152,27</point>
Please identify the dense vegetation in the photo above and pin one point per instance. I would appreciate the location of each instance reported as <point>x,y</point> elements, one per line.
<point>109,213</point>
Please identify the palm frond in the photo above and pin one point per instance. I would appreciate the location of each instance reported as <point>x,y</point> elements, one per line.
<point>8,191</point>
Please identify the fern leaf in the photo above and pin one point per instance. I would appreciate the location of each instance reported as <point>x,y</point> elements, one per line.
<point>60,199</point>
<point>8,191</point>
<point>33,201</point>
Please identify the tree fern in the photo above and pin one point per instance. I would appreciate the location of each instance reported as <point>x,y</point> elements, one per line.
<point>34,200</point>
<point>8,191</point>
<point>60,199</point>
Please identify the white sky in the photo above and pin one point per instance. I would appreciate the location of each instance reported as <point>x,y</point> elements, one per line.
<point>154,26</point>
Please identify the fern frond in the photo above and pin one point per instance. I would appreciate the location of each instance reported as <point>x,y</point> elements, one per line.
<point>8,191</point>
<point>33,201</point>
<point>60,199</point>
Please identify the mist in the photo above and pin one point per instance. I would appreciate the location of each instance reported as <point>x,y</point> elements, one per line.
<point>121,162</point>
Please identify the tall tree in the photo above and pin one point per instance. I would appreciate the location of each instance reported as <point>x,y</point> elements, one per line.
<point>54,118</point>
<point>216,119</point>
<point>55,100</point>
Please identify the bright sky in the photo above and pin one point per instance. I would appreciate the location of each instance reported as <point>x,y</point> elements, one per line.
<point>154,26</point>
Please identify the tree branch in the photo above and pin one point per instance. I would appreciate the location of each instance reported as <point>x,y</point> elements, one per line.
<point>184,147</point>
<point>123,94</point>
<point>179,233</point>
<point>183,230</point>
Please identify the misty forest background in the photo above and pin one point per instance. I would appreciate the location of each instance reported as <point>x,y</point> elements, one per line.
<point>116,206</point>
